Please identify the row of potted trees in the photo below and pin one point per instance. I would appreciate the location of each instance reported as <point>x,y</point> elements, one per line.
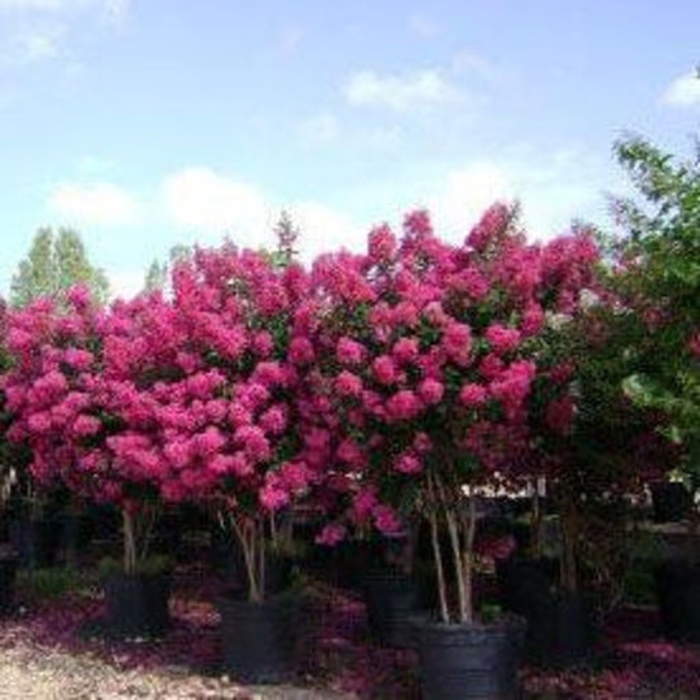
<point>379,390</point>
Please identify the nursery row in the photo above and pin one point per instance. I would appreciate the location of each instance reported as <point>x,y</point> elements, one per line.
<point>386,391</point>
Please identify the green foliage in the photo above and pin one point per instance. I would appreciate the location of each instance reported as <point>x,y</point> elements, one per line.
<point>661,252</point>
<point>55,262</point>
<point>47,584</point>
<point>158,273</point>
<point>156,276</point>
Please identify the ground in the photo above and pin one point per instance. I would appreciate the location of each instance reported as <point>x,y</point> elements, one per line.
<point>48,650</point>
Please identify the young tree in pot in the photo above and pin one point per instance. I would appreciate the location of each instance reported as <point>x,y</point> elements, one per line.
<point>431,363</point>
<point>80,391</point>
<point>232,438</point>
<point>597,450</point>
<point>660,254</point>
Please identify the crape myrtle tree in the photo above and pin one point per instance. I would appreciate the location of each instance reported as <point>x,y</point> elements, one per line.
<point>229,430</point>
<point>426,354</point>
<point>83,393</point>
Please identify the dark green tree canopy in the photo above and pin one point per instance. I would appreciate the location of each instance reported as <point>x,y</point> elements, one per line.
<point>661,250</point>
<point>56,261</point>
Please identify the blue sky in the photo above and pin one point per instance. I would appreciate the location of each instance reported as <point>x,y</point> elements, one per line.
<point>147,124</point>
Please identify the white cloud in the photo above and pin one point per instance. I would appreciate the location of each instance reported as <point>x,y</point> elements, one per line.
<point>210,205</point>
<point>96,203</point>
<point>323,128</point>
<point>201,200</point>
<point>552,193</point>
<point>465,193</point>
<point>324,229</point>
<point>684,91</point>
<point>125,283</point>
<point>33,46</point>
<point>399,92</point>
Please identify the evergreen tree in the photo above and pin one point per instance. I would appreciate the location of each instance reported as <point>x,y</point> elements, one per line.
<point>56,262</point>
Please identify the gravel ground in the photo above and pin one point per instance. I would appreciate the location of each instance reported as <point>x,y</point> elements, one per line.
<point>33,672</point>
<point>50,650</point>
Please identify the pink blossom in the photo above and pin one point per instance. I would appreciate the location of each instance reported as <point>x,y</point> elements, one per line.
<point>253,442</point>
<point>431,391</point>
<point>502,338</point>
<point>513,385</point>
<point>239,415</point>
<point>210,441</point>
<point>533,320</point>
<point>386,520</point>
<point>491,366</point>
<point>406,350</point>
<point>348,384</point>
<point>294,475</point>
<point>253,395</point>
<point>422,443</point>
<point>349,352</point>
<point>364,503</point>
<point>405,313</point>
<point>269,374</point>
<point>382,245</point>
<point>301,351</point>
<point>351,453</point>
<point>272,498</point>
<point>274,420</point>
<point>79,296</point>
<point>472,395</point>
<point>435,314</point>
<point>404,405</point>
<point>86,426</point>
<point>384,370</point>
<point>263,344</point>
<point>331,535</point>
<point>456,341</point>
<point>78,359</point>
<point>408,463</point>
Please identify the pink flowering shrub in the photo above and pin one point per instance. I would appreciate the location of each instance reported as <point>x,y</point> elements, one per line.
<point>81,394</point>
<point>230,427</point>
<point>425,363</point>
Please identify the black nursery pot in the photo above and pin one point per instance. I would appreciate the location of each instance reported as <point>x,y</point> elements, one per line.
<point>392,600</point>
<point>458,662</point>
<point>8,572</point>
<point>259,639</point>
<point>678,595</point>
<point>137,604</point>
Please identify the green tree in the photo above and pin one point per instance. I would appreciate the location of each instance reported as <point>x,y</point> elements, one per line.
<point>158,273</point>
<point>55,262</point>
<point>156,276</point>
<point>660,252</point>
